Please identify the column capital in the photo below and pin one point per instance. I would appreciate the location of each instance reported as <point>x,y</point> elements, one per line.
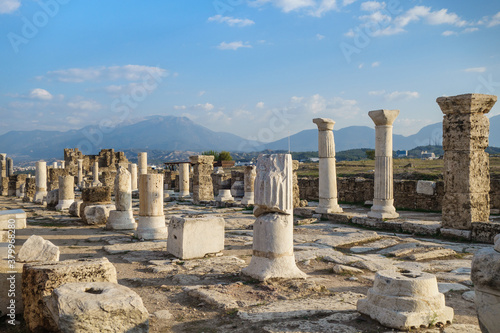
<point>383,117</point>
<point>466,103</point>
<point>324,124</point>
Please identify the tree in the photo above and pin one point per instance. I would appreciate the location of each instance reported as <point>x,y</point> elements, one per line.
<point>211,153</point>
<point>224,156</point>
<point>370,154</point>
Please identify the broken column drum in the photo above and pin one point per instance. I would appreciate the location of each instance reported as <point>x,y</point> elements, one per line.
<point>80,173</point>
<point>143,163</point>
<point>328,202</point>
<point>151,223</point>
<point>249,181</point>
<point>184,179</point>
<point>54,165</point>
<point>41,182</point>
<point>3,165</point>
<point>273,255</point>
<point>122,218</point>
<point>132,168</point>
<point>383,201</point>
<point>95,175</point>
<point>66,192</point>
<point>466,164</point>
<point>202,178</point>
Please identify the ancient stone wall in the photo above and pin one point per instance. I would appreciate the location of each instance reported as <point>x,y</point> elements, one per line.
<point>15,182</point>
<point>221,181</point>
<point>107,158</point>
<point>30,189</point>
<point>53,177</point>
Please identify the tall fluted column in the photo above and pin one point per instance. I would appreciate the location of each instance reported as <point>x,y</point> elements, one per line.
<point>151,223</point>
<point>80,173</point>
<point>249,181</point>
<point>184,179</point>
<point>132,168</point>
<point>466,165</point>
<point>40,181</point>
<point>143,163</point>
<point>383,203</point>
<point>95,175</point>
<point>273,255</point>
<point>328,202</point>
<point>66,192</point>
<point>122,218</point>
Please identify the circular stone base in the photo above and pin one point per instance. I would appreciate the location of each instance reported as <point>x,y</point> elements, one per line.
<point>151,227</point>
<point>64,204</point>
<point>121,220</point>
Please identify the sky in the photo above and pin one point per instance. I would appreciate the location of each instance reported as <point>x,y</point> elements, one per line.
<point>261,69</point>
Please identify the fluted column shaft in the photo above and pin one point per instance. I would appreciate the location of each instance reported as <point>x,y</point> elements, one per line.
<point>40,181</point>
<point>184,179</point>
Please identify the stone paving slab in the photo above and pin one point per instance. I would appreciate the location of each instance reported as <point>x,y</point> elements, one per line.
<point>447,287</point>
<point>139,246</point>
<point>347,238</point>
<point>380,244</point>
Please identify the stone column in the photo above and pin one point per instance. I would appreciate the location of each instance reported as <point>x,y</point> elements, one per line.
<point>10,167</point>
<point>3,165</point>
<point>184,179</point>
<point>383,201</point>
<point>80,172</point>
<point>41,182</point>
<point>54,165</point>
<point>273,230</point>
<point>466,164</point>
<point>63,164</point>
<point>122,218</point>
<point>132,168</point>
<point>202,179</point>
<point>249,181</point>
<point>95,175</point>
<point>151,223</point>
<point>143,163</point>
<point>328,202</point>
<point>66,192</point>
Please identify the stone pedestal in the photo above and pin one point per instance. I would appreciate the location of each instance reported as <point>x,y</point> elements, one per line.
<point>405,301</point>
<point>151,223</point>
<point>249,182</point>
<point>184,179</point>
<point>80,173</point>
<point>273,255</point>
<point>466,164</point>
<point>63,165</point>
<point>66,192</point>
<point>383,201</point>
<point>328,202</point>
<point>132,168</point>
<point>143,163</point>
<point>95,175</point>
<point>41,182</point>
<point>202,179</point>
<point>224,196</point>
<point>3,165</point>
<point>122,218</point>
<point>54,165</point>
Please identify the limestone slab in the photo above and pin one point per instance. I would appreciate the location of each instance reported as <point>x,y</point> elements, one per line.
<point>6,217</point>
<point>381,244</point>
<point>139,246</point>
<point>37,249</point>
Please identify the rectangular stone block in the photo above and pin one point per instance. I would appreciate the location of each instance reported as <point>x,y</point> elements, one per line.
<point>40,279</point>
<point>461,209</point>
<point>194,237</point>
<point>18,215</point>
<point>466,172</point>
<point>201,159</point>
<point>426,187</point>
<point>465,131</point>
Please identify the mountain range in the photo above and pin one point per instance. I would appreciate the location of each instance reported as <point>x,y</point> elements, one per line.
<point>170,133</point>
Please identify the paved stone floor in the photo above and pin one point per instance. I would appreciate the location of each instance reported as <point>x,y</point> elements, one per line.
<point>210,295</point>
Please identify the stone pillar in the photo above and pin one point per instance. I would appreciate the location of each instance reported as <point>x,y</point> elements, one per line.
<point>466,164</point>
<point>122,218</point>
<point>249,181</point>
<point>184,179</point>
<point>273,230</point>
<point>151,223</point>
<point>10,167</point>
<point>95,175</point>
<point>202,179</point>
<point>143,163</point>
<point>54,165</point>
<point>66,192</point>
<point>328,202</point>
<point>41,182</point>
<point>63,164</point>
<point>132,168</point>
<point>80,172</point>
<point>383,201</point>
<point>3,165</point>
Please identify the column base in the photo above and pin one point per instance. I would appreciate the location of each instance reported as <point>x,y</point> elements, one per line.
<point>328,206</point>
<point>121,220</point>
<point>263,269</point>
<point>151,227</point>
<point>39,197</point>
<point>383,209</point>
<point>248,198</point>
<point>64,204</point>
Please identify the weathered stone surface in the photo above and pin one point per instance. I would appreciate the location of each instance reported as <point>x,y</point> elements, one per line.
<point>97,307</point>
<point>37,249</point>
<point>224,196</point>
<point>350,236</point>
<point>238,189</point>
<point>405,300</point>
<point>12,219</point>
<point>249,182</point>
<point>122,218</point>
<point>342,269</point>
<point>426,187</point>
<point>431,254</point>
<point>97,214</point>
<point>469,296</point>
<point>323,325</point>
<point>447,287</point>
<point>66,192</point>
<point>39,280</point>
<point>139,246</point>
<point>214,295</point>
<point>380,244</point>
<point>151,222</point>
<point>194,237</point>
<point>52,198</point>
<point>202,180</point>
<point>74,209</point>
<point>94,196</point>
<point>421,227</point>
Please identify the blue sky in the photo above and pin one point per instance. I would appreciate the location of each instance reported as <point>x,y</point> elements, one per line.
<point>261,69</point>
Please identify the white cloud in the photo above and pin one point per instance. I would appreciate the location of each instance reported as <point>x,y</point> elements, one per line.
<point>112,73</point>
<point>231,21</point>
<point>401,95</point>
<point>376,17</point>
<point>361,65</point>
<point>260,105</point>
<point>467,30</point>
<point>324,7</point>
<point>347,2</point>
<point>371,6</point>
<point>40,94</point>
<point>319,36</point>
<point>375,63</point>
<point>296,99</point>
<point>205,107</point>
<point>376,92</point>
<point>81,104</point>
<point>449,33</point>
<point>9,6</point>
<point>312,7</point>
<point>475,70</point>
<point>495,20</point>
<point>179,107</point>
<point>233,45</point>
<point>201,93</point>
<point>350,33</point>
